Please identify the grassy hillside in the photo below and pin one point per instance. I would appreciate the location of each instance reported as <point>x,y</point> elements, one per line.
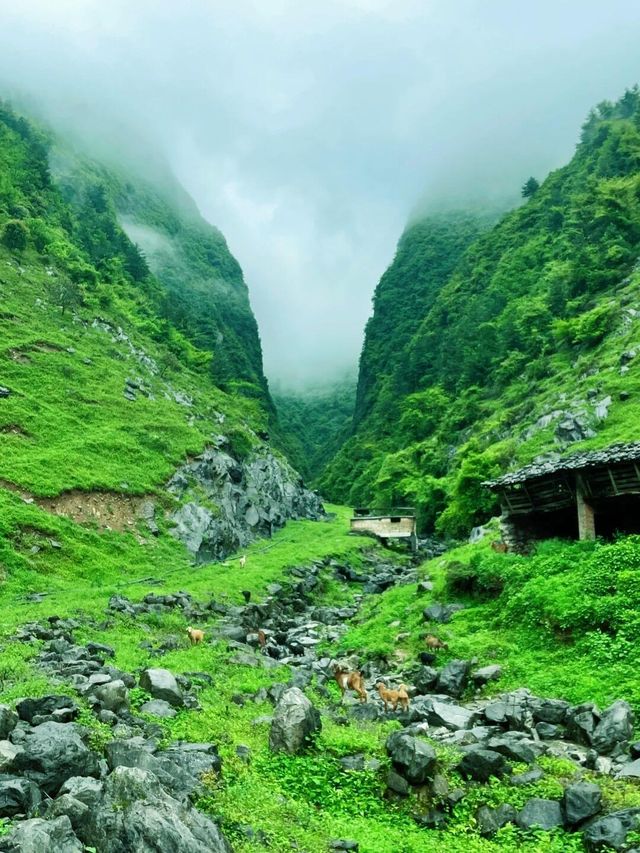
<point>528,329</point>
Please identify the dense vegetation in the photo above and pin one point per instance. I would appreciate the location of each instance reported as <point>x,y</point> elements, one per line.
<point>530,321</point>
<point>315,423</point>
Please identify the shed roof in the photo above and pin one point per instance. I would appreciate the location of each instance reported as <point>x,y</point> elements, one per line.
<point>616,453</point>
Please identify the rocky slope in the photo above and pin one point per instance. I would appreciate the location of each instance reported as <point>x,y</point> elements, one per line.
<point>97,763</point>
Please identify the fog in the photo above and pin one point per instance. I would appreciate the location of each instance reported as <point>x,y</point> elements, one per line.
<point>310,132</point>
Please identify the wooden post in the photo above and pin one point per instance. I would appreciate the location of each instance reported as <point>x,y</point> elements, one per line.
<point>586,515</point>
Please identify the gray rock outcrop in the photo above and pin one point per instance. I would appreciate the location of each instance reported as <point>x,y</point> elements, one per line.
<point>245,500</point>
<point>295,721</point>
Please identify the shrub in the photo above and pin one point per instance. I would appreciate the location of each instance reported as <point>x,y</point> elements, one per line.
<point>15,234</point>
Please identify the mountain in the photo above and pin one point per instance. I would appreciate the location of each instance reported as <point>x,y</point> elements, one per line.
<point>522,342</point>
<point>133,393</point>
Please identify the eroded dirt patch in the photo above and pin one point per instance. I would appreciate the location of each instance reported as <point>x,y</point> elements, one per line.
<point>109,510</point>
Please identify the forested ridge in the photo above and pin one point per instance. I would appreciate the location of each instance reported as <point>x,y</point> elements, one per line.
<point>477,337</point>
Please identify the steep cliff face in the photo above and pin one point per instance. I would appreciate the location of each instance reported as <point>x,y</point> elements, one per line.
<point>523,345</point>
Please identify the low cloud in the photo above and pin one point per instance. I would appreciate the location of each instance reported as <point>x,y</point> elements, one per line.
<point>310,132</point>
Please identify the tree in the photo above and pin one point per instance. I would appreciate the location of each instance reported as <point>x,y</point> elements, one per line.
<point>530,188</point>
<point>15,234</point>
<point>65,293</point>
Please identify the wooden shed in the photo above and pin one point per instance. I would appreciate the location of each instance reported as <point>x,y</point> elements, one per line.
<point>384,524</point>
<point>595,493</point>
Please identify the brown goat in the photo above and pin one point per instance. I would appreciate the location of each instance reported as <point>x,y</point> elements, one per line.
<point>350,681</point>
<point>262,638</point>
<point>500,547</point>
<point>394,697</point>
<point>432,642</point>
<point>195,636</point>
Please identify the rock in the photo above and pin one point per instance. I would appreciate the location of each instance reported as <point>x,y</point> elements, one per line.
<point>4,392</point>
<point>607,833</point>
<point>480,764</point>
<point>453,678</point>
<point>74,809</point>
<point>83,788</point>
<point>8,721</point>
<point>491,820</point>
<point>424,678</point>
<point>295,722</point>
<point>8,753</point>
<point>431,819</point>
<point>512,748</point>
<point>112,696</point>
<point>344,844</point>
<point>161,684</point>
<point>548,710</point>
<point>528,777</point>
<point>253,496</point>
<point>543,814</point>
<point>413,758</point>
<point>630,770</point>
<point>440,613</point>
<point>18,796</point>
<point>581,800</point>
<point>397,783</point>
<point>42,836</point>
<point>581,723</point>
<point>615,728</point>
<point>485,674</point>
<point>158,708</point>
<point>548,731</point>
<point>52,752</point>
<point>29,709</point>
<point>450,716</point>
<point>136,815</point>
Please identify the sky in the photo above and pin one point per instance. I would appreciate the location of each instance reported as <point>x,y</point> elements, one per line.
<point>310,133</point>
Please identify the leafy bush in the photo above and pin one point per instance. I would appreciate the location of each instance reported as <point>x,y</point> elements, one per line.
<point>15,234</point>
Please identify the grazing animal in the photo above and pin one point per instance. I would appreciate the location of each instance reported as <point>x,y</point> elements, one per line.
<point>432,642</point>
<point>394,697</point>
<point>427,658</point>
<point>352,681</point>
<point>500,547</point>
<point>262,638</point>
<point>246,594</point>
<point>243,561</point>
<point>195,636</point>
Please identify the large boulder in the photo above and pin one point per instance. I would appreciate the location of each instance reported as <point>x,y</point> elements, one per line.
<point>581,723</point>
<point>486,674</point>
<point>162,684</point>
<point>541,814</point>
<point>480,764</point>
<point>413,758</point>
<point>295,722</point>
<point>18,796</point>
<point>52,752</point>
<point>453,678</point>
<point>609,832</point>
<point>42,836</point>
<point>548,710</point>
<point>112,696</point>
<point>440,613</point>
<point>581,800</point>
<point>134,814</point>
<point>450,715</point>
<point>514,747</point>
<point>614,729</point>
<point>491,820</point>
<point>60,709</point>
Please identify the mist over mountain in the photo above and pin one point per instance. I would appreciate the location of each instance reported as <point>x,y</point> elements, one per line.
<point>309,135</point>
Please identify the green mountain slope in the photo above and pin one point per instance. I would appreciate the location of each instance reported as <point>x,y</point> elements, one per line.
<point>315,423</point>
<point>517,351</point>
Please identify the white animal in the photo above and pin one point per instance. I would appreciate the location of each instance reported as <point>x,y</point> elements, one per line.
<point>243,561</point>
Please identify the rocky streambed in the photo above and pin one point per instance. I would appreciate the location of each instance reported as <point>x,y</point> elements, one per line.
<point>65,791</point>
